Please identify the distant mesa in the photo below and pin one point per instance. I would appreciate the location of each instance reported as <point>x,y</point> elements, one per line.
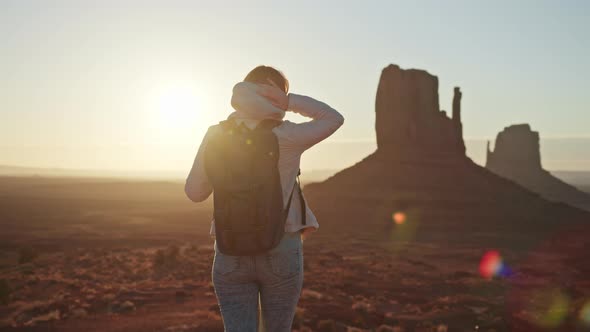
<point>517,156</point>
<point>517,150</point>
<point>420,169</point>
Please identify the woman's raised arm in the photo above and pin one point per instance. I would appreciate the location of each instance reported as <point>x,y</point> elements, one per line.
<point>325,121</point>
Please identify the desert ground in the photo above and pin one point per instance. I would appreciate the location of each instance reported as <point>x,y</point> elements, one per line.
<point>115,255</point>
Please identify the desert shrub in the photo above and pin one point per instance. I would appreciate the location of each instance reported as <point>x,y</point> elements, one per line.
<point>167,257</point>
<point>326,325</point>
<point>298,319</point>
<point>4,291</point>
<point>26,255</point>
<point>387,328</point>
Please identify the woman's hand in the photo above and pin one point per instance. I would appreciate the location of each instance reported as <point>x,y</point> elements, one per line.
<point>275,95</point>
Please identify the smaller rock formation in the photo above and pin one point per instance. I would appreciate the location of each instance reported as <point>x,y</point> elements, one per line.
<point>517,156</point>
<point>517,150</point>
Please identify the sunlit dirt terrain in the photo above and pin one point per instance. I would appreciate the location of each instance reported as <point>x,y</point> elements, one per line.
<point>112,255</point>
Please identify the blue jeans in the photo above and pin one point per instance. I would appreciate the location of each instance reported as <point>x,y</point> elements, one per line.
<point>261,291</point>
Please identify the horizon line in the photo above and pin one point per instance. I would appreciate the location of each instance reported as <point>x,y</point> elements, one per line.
<point>163,171</point>
<point>338,141</point>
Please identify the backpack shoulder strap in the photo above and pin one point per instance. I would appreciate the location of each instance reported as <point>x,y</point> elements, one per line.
<point>301,200</point>
<point>268,124</point>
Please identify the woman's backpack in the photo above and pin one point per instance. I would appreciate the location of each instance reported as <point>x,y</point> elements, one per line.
<point>242,166</point>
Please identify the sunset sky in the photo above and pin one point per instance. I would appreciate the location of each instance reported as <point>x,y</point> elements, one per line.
<point>133,85</point>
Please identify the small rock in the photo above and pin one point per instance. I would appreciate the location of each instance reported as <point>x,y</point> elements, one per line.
<point>386,328</point>
<point>363,306</point>
<point>78,312</point>
<point>108,297</point>
<point>311,294</point>
<point>183,328</point>
<point>126,306</point>
<point>50,316</point>
<point>354,329</point>
<point>23,317</point>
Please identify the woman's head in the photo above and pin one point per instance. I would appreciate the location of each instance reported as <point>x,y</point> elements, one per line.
<point>266,75</point>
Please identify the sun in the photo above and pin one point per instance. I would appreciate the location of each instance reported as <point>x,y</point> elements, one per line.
<point>176,112</point>
<point>178,107</point>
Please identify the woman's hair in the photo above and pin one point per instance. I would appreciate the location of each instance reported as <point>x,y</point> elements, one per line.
<point>260,75</point>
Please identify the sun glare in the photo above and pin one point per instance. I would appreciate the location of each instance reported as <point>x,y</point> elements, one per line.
<point>178,107</point>
<point>176,113</point>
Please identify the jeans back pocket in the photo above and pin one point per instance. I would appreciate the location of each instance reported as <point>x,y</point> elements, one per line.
<point>285,263</point>
<point>224,264</point>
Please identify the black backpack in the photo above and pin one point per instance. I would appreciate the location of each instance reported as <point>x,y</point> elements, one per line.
<point>242,166</point>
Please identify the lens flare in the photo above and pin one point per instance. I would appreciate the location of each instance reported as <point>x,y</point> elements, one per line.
<point>399,218</point>
<point>491,265</point>
<point>585,314</point>
<point>402,225</point>
<point>548,308</point>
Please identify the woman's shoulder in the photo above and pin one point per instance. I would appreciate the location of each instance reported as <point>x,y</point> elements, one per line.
<point>287,130</point>
<point>286,126</point>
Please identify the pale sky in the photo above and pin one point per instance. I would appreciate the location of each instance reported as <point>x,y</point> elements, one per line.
<point>124,85</point>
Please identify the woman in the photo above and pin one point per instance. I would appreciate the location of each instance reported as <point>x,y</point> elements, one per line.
<point>273,280</point>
